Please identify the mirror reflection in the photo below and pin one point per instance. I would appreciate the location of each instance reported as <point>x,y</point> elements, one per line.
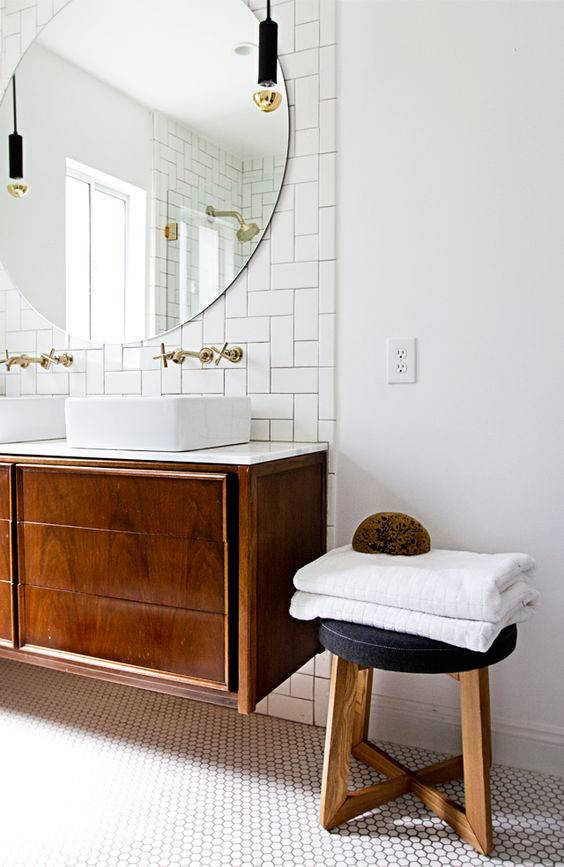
<point>151,174</point>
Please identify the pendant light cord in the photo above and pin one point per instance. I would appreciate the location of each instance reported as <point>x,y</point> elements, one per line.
<point>268,8</point>
<point>15,103</point>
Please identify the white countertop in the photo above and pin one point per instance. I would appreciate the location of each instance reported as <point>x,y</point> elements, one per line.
<point>247,454</point>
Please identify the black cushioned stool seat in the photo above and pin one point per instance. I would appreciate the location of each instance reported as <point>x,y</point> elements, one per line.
<point>397,651</point>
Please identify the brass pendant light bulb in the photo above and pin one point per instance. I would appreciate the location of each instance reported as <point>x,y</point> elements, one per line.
<point>267,100</point>
<point>18,190</point>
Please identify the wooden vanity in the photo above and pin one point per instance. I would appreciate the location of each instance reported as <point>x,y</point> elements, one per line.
<point>169,574</point>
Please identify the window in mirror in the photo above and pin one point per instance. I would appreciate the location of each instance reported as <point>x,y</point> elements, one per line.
<point>105,240</point>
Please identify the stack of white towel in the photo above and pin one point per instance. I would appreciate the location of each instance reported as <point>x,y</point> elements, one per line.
<point>458,597</point>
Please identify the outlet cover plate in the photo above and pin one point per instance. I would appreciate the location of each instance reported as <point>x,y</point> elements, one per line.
<point>402,360</point>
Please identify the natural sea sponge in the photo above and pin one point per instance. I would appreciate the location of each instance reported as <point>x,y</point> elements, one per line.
<point>392,533</point>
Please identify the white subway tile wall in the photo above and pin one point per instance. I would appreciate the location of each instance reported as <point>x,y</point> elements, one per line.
<point>181,193</point>
<point>281,309</point>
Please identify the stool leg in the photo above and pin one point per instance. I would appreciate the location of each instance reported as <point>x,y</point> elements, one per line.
<point>340,723</point>
<point>476,750</point>
<point>362,706</point>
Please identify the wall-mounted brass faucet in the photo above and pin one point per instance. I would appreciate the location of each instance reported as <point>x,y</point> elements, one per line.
<point>204,356</point>
<point>44,361</point>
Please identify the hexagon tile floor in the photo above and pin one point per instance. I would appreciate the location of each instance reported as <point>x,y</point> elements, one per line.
<point>99,775</point>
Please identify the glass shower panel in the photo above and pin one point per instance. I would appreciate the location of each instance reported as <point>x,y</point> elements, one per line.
<point>203,257</point>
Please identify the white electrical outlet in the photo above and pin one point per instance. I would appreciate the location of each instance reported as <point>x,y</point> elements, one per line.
<point>402,360</point>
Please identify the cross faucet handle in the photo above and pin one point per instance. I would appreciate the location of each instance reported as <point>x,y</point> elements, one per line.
<point>233,355</point>
<point>47,360</point>
<point>165,356</point>
<point>221,353</point>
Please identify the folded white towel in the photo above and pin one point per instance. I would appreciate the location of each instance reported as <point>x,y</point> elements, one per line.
<point>459,584</point>
<point>473,634</point>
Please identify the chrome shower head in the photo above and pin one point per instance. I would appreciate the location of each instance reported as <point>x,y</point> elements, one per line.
<point>246,232</point>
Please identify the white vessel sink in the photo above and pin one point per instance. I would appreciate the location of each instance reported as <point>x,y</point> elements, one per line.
<point>26,419</point>
<point>162,424</point>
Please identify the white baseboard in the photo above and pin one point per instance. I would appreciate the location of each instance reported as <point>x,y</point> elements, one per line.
<point>534,747</point>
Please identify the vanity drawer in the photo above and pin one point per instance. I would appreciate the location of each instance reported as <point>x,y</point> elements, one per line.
<point>5,551</point>
<point>5,612</point>
<point>189,505</point>
<point>170,640</point>
<point>164,570</point>
<point>5,493</point>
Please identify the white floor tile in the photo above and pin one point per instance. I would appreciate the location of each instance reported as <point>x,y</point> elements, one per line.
<point>100,775</point>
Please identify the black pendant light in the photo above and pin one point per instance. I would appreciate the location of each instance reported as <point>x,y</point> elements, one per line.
<point>17,188</point>
<point>268,98</point>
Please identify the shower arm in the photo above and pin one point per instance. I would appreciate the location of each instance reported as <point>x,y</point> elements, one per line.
<point>211,212</point>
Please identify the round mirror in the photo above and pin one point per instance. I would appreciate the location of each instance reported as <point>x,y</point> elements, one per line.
<point>152,175</point>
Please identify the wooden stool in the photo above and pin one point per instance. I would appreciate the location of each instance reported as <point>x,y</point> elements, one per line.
<point>360,649</point>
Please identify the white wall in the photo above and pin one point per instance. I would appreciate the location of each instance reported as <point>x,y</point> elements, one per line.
<point>451,230</point>
<point>73,115</point>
